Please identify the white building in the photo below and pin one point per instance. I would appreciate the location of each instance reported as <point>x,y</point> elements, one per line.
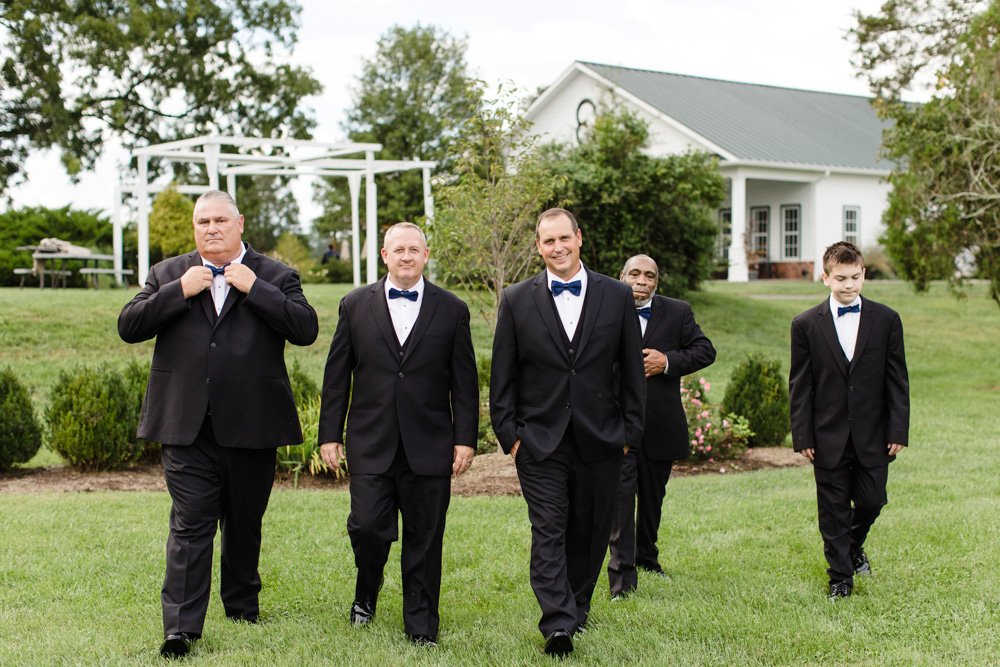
<point>802,167</point>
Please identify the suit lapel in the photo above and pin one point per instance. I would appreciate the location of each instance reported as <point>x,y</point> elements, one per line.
<point>252,261</point>
<point>380,313</point>
<point>657,316</point>
<point>829,329</point>
<point>427,306</point>
<point>205,298</point>
<point>864,331</point>
<point>543,301</point>
<point>594,296</point>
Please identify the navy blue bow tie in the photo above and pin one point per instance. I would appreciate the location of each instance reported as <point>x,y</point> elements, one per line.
<point>402,294</point>
<point>843,310</point>
<point>218,271</point>
<point>572,287</point>
<point>645,312</point>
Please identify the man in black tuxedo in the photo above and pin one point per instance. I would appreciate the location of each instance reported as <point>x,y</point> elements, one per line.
<point>673,346</point>
<point>567,395</point>
<point>849,397</point>
<point>412,422</point>
<point>220,402</point>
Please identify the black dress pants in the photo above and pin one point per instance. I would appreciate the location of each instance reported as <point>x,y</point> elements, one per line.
<point>212,486</point>
<point>634,533</point>
<point>373,525</point>
<point>571,506</point>
<point>849,498</point>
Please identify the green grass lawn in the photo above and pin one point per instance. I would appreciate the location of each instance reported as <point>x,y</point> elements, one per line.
<point>80,573</point>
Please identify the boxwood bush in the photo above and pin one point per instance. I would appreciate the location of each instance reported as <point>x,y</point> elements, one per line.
<point>91,419</point>
<point>20,434</point>
<point>758,391</point>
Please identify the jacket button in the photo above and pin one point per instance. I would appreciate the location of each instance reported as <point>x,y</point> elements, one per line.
<point>571,350</point>
<point>573,372</point>
<point>851,388</point>
<point>567,406</point>
<point>212,345</point>
<point>208,381</point>
<point>400,373</point>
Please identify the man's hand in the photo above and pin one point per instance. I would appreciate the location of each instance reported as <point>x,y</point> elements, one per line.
<point>514,448</point>
<point>332,454</point>
<point>654,361</point>
<point>895,448</point>
<point>462,460</point>
<point>241,277</point>
<point>196,280</point>
<point>808,453</point>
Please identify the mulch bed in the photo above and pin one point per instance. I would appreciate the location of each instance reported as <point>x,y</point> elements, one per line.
<point>490,475</point>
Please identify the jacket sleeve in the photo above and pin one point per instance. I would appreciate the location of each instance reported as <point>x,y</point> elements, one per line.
<point>504,378</point>
<point>464,384</point>
<point>800,391</point>
<point>897,385</point>
<point>150,310</point>
<point>284,308</point>
<point>336,395</point>
<point>632,374</point>
<point>695,352</point>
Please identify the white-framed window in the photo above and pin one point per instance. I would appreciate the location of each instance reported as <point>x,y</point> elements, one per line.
<point>760,224</point>
<point>852,224</point>
<point>791,231</point>
<point>725,233</point>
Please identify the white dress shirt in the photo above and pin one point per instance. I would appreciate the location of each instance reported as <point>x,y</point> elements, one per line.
<point>220,288</point>
<point>403,311</point>
<point>847,325</point>
<point>642,320</point>
<point>569,306</point>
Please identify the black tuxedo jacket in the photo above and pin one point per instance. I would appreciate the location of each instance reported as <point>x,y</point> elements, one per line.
<point>426,397</point>
<point>671,329</point>
<point>232,364</point>
<point>867,398</point>
<point>537,389</point>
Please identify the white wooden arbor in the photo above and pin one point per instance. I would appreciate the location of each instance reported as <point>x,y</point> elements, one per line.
<point>297,158</point>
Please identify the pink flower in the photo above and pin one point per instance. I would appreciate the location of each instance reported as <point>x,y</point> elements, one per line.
<point>708,387</point>
<point>697,433</point>
<point>704,413</point>
<point>725,423</point>
<point>701,381</point>
<point>708,448</point>
<point>708,426</point>
<point>694,443</point>
<point>695,402</point>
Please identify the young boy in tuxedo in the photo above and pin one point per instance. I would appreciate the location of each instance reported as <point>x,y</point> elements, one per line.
<point>850,409</point>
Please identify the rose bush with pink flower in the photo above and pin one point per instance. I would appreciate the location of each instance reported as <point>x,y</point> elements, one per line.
<point>714,435</point>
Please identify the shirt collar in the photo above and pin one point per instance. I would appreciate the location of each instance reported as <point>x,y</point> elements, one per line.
<point>419,287</point>
<point>645,303</point>
<point>581,275</point>
<point>238,260</point>
<point>834,304</point>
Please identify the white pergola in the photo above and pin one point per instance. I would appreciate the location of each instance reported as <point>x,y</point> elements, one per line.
<point>298,158</point>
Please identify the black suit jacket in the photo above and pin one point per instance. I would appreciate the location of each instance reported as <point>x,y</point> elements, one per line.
<point>672,330</point>
<point>427,397</point>
<point>830,398</point>
<point>537,390</point>
<point>233,363</point>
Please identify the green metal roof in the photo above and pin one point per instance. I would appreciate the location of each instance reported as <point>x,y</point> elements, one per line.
<point>761,123</point>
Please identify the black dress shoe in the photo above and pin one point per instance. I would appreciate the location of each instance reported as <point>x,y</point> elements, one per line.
<point>840,589</point>
<point>859,559</point>
<point>559,644</point>
<point>363,611</point>
<point>241,618</point>
<point>424,640</point>
<point>176,645</point>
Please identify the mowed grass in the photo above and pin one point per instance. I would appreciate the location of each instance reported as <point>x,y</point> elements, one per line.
<point>80,573</point>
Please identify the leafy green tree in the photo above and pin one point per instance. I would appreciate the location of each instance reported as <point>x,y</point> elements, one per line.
<point>483,230</point>
<point>628,202</point>
<point>171,229</point>
<point>270,210</point>
<point>74,74</point>
<point>412,97</point>
<point>943,204</point>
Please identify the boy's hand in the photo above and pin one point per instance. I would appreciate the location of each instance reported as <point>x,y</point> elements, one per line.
<point>808,453</point>
<point>895,448</point>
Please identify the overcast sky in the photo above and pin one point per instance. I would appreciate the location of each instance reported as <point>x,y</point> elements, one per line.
<point>793,43</point>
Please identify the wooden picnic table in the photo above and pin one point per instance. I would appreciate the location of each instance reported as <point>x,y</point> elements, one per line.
<point>43,257</point>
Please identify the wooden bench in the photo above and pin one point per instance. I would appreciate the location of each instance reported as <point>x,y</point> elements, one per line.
<point>24,273</point>
<point>93,273</point>
<point>55,275</point>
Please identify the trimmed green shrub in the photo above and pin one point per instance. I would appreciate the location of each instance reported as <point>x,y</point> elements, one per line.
<point>758,391</point>
<point>304,388</point>
<point>136,378</point>
<point>305,457</point>
<point>91,419</point>
<point>20,434</point>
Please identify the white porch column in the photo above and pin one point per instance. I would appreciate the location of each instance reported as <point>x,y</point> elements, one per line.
<point>231,186</point>
<point>737,246</point>
<point>354,184</point>
<point>429,215</point>
<point>371,217</point>
<point>142,193</point>
<point>212,165</point>
<point>116,237</point>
